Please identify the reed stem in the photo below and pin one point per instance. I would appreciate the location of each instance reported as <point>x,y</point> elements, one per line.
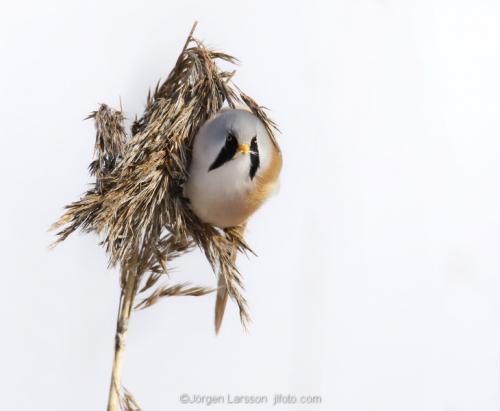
<point>125,308</point>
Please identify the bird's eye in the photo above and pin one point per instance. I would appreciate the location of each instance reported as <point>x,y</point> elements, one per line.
<point>254,157</point>
<point>226,153</point>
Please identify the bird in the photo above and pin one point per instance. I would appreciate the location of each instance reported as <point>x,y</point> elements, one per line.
<point>234,169</point>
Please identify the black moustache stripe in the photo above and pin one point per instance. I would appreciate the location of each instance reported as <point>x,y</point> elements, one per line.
<point>254,158</point>
<point>226,153</point>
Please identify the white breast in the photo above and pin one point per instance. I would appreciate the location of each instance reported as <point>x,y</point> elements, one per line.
<point>220,197</point>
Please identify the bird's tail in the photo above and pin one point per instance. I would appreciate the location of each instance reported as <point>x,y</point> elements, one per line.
<point>220,303</point>
<point>222,292</point>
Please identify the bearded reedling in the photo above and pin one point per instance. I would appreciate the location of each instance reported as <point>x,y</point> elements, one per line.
<point>234,169</point>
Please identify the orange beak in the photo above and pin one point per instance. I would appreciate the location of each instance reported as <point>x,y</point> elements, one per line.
<point>244,148</point>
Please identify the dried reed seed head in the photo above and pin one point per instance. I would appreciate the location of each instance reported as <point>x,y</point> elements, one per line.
<point>136,202</point>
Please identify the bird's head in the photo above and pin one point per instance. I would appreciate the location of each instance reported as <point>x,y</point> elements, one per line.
<point>232,142</point>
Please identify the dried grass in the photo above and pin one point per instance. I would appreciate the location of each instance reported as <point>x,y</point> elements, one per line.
<point>136,203</point>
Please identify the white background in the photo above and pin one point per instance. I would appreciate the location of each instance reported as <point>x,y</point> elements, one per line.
<point>378,278</point>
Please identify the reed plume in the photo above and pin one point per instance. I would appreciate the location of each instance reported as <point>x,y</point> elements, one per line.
<point>136,202</point>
